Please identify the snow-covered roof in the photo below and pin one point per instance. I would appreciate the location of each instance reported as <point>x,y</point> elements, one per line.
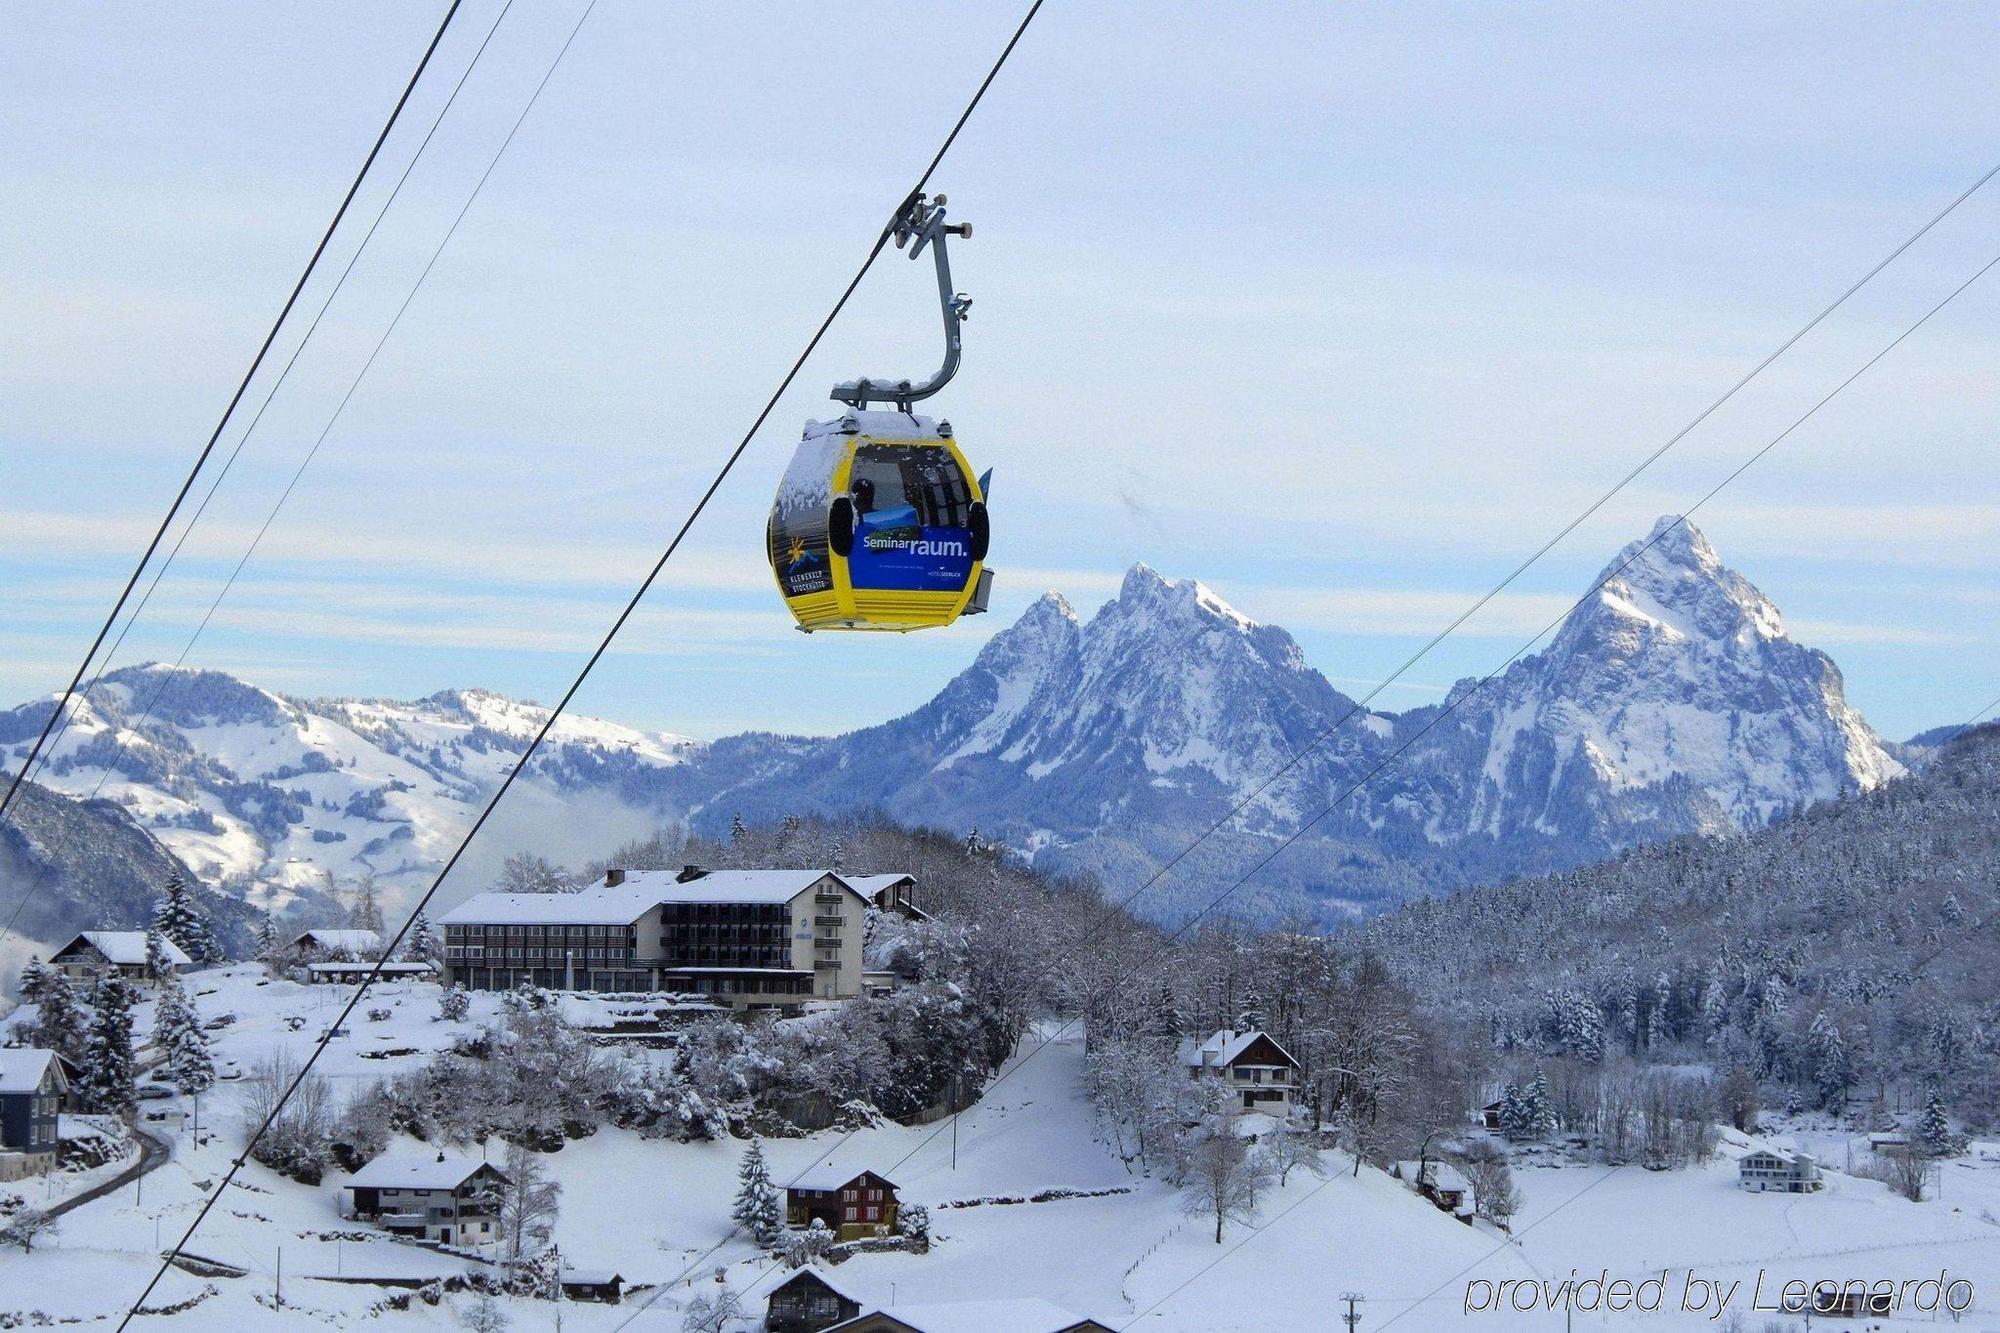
<point>830,1177</point>
<point>1789,1155</point>
<point>1016,1314</point>
<point>638,893</point>
<point>870,885</point>
<point>729,886</point>
<point>426,1169</point>
<point>356,941</point>
<point>23,1068</point>
<point>127,948</point>
<point>592,907</point>
<point>1441,1176</point>
<point>1223,1047</point>
<point>825,1279</point>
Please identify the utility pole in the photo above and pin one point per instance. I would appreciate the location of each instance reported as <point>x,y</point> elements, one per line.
<point>1353,1316</point>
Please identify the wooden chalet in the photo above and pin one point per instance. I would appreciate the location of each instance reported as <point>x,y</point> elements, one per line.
<point>1013,1315</point>
<point>852,1204</point>
<point>99,953</point>
<point>808,1302</point>
<point>1260,1073</point>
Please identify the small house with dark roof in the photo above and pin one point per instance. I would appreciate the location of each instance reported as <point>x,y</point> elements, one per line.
<point>1260,1074</point>
<point>98,953</point>
<point>593,1284</point>
<point>807,1302</point>
<point>852,1203</point>
<point>889,893</point>
<point>322,942</point>
<point>1015,1314</point>
<point>1440,1182</point>
<point>33,1083</point>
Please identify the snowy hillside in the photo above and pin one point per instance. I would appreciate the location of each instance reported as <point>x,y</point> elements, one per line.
<point>1124,1252</point>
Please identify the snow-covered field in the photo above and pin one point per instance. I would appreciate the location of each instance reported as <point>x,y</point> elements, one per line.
<point>649,1209</point>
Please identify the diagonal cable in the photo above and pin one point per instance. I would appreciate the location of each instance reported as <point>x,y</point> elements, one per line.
<point>201,459</point>
<point>167,678</point>
<point>159,572</point>
<point>604,646</point>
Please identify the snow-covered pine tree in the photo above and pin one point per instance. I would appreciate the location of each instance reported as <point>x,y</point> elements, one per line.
<point>157,962</point>
<point>106,1083</point>
<point>61,1025</point>
<point>1934,1134</point>
<point>269,946</point>
<point>758,1210</point>
<point>1540,1107</point>
<point>1832,1072</point>
<point>420,945</point>
<point>180,918</point>
<point>177,1035</point>
<point>35,981</point>
<point>1250,1012</point>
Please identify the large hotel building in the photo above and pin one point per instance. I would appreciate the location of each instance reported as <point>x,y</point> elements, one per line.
<point>748,939</point>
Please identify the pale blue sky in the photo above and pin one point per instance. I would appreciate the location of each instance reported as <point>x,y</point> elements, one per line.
<point>1341,309</point>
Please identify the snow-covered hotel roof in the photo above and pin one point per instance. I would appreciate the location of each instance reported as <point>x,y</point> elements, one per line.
<point>592,907</point>
<point>637,892</point>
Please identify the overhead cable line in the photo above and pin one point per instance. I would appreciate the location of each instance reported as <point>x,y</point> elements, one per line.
<point>201,459</point>
<point>169,677</point>
<point>68,716</point>
<point>603,647</point>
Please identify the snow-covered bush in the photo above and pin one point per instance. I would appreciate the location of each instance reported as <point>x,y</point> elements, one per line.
<point>809,1246</point>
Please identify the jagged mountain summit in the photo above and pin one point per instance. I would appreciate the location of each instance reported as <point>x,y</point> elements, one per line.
<point>1672,701</point>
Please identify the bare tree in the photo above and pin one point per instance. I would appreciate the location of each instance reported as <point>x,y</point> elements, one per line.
<point>1224,1180</point>
<point>529,1202</point>
<point>1290,1146</point>
<point>1906,1171</point>
<point>712,1312</point>
<point>525,872</point>
<point>28,1226</point>
<point>1494,1195</point>
<point>484,1316</point>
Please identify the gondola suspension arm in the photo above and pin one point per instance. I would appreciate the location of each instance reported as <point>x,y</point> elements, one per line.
<point>920,224</point>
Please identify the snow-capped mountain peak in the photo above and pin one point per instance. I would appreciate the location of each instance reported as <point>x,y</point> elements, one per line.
<point>1676,670</point>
